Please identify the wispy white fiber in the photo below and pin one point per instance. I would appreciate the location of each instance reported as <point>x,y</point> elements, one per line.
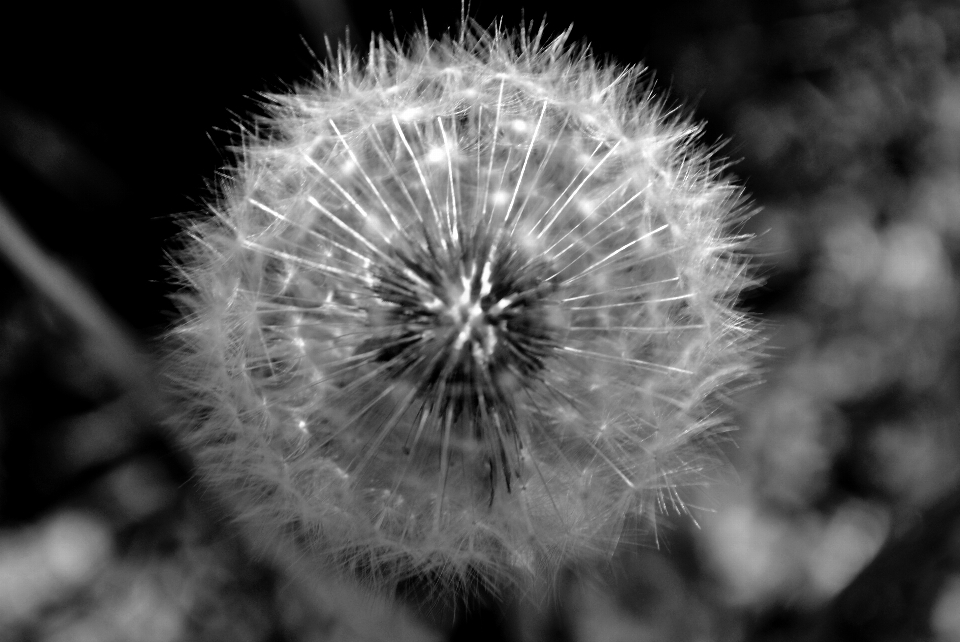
<point>463,307</point>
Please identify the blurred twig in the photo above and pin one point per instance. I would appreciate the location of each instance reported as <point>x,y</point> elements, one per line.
<point>109,342</point>
<point>347,609</point>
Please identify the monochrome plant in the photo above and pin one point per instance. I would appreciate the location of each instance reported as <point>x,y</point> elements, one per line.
<point>463,309</point>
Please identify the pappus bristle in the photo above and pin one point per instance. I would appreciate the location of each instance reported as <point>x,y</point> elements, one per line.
<point>462,309</point>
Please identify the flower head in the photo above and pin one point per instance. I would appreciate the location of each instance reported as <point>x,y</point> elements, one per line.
<point>462,309</point>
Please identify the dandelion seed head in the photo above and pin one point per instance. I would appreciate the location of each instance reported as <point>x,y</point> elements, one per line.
<point>463,310</point>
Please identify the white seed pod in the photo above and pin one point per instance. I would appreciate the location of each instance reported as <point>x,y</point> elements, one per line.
<point>462,309</point>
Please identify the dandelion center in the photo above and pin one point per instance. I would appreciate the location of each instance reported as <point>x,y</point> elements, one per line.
<point>465,325</point>
<point>467,329</point>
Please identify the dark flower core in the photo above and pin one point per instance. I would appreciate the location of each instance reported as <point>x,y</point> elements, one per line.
<point>468,325</point>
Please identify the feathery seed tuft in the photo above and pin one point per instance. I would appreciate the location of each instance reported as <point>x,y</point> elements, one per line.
<point>462,309</point>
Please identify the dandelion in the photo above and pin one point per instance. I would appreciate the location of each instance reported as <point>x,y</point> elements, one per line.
<point>463,308</point>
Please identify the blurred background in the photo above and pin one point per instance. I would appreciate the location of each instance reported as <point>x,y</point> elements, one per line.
<point>842,518</point>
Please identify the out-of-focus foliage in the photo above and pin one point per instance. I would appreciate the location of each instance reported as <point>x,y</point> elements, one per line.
<point>852,146</point>
<point>845,118</point>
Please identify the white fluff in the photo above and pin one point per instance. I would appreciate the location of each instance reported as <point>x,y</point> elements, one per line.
<point>462,309</point>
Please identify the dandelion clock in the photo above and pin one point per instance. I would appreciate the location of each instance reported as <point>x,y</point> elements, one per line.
<point>462,310</point>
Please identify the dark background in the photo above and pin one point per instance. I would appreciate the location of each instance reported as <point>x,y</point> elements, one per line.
<point>843,121</point>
